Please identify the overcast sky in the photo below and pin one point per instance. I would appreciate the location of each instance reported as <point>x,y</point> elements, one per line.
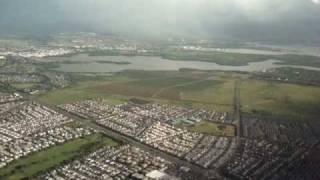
<point>297,20</point>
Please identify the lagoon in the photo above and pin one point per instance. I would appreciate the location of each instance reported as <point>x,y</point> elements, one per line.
<point>92,64</point>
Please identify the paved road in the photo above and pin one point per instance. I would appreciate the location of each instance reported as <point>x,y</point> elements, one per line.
<point>116,135</point>
<point>237,107</point>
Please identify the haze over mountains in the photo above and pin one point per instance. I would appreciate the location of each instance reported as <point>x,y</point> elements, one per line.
<point>284,21</point>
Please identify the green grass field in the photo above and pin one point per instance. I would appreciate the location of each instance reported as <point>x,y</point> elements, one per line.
<point>208,90</point>
<point>219,92</point>
<point>83,90</point>
<point>40,161</point>
<point>195,89</point>
<point>23,85</point>
<point>280,99</point>
<point>2,62</point>
<point>203,90</point>
<point>213,129</point>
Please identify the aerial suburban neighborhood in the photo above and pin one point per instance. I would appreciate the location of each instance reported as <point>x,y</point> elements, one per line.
<point>140,130</point>
<point>152,143</point>
<point>160,90</point>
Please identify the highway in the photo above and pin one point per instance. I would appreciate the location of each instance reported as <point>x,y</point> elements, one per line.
<point>237,107</point>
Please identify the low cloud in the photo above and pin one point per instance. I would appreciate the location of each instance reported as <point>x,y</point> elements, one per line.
<point>235,19</point>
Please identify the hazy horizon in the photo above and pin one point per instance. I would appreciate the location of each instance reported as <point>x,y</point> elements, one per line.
<point>247,20</point>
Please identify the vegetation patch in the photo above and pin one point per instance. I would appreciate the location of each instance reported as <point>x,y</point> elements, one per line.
<point>220,93</point>
<point>300,60</point>
<point>2,62</point>
<point>164,82</point>
<point>280,99</point>
<point>83,90</point>
<point>221,58</point>
<point>211,128</point>
<point>41,161</point>
<point>23,85</point>
<point>238,59</point>
<point>200,90</point>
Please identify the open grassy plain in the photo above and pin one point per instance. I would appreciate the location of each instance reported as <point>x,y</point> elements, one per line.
<point>193,88</point>
<point>280,99</point>
<point>80,91</point>
<point>198,89</point>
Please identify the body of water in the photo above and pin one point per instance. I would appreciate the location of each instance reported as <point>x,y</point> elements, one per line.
<point>153,64</point>
<point>248,51</point>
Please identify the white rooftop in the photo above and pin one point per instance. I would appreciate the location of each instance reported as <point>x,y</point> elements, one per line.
<point>155,174</point>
